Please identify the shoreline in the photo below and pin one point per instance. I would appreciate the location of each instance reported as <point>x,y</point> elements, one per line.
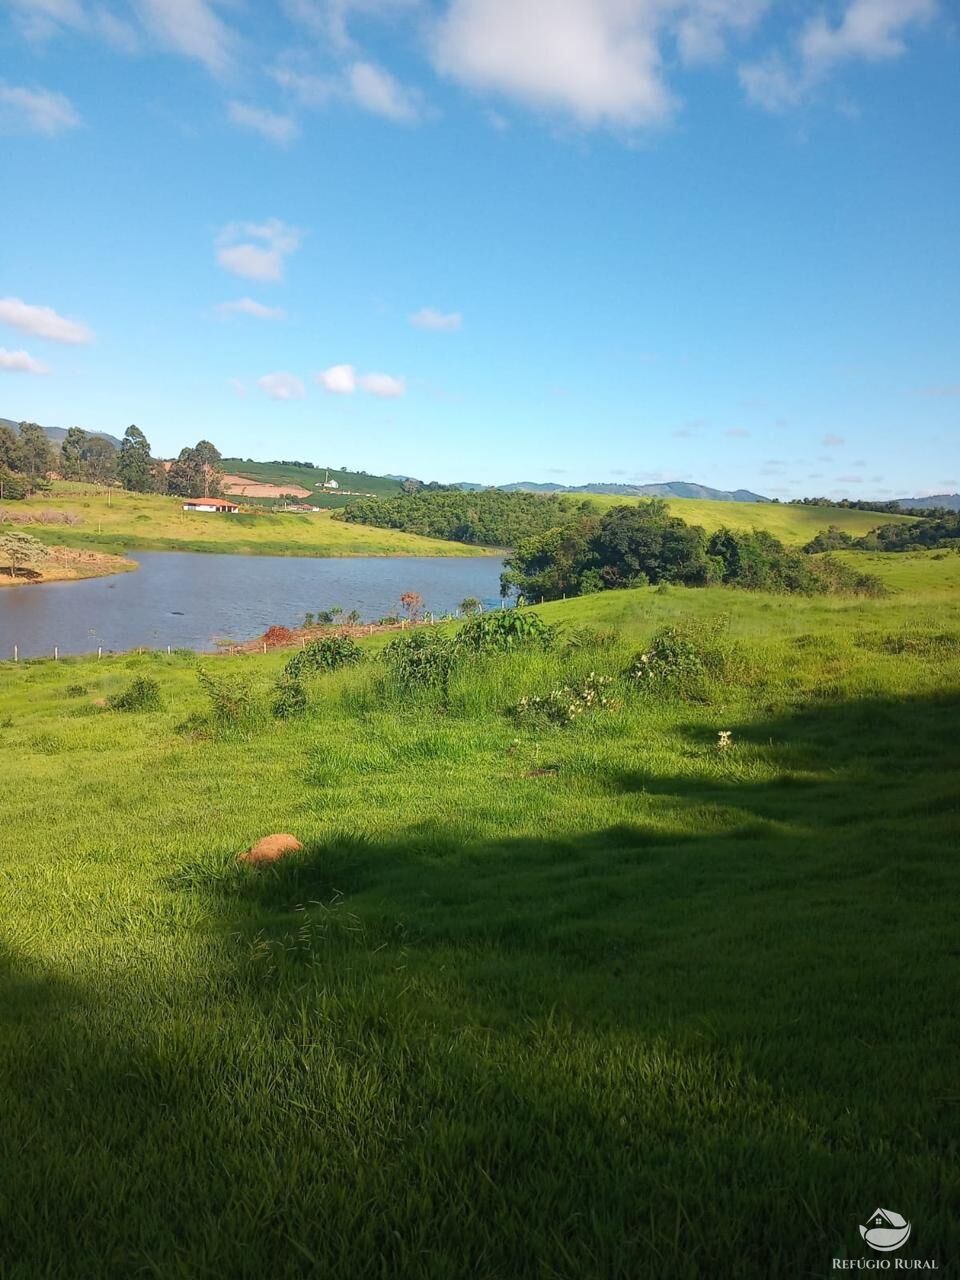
<point>68,564</point>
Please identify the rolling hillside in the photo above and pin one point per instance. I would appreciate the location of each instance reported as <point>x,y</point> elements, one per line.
<point>791,524</point>
<point>350,483</point>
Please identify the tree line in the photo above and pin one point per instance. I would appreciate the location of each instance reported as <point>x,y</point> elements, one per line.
<point>634,546</point>
<point>28,458</point>
<point>485,517</point>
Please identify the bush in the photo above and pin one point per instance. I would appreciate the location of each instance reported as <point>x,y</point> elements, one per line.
<point>289,696</point>
<point>142,694</point>
<point>503,630</point>
<point>564,705</point>
<point>683,661</point>
<point>422,660</point>
<point>231,698</point>
<point>326,654</point>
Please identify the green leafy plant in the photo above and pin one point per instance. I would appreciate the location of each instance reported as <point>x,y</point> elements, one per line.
<point>422,660</point>
<point>231,698</point>
<point>329,653</point>
<point>504,629</point>
<point>289,696</point>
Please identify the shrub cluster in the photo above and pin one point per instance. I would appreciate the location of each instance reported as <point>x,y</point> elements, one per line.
<point>686,660</point>
<point>565,704</point>
<point>329,653</point>
<point>142,694</point>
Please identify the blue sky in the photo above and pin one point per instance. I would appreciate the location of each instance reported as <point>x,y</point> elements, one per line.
<point>569,240</point>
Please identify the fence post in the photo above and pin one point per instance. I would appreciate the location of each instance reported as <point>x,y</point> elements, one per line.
<point>168,651</point>
<point>56,654</point>
<point>16,654</point>
<point>264,646</point>
<point>99,652</point>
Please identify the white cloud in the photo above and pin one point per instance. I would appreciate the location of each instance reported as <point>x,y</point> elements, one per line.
<point>191,28</point>
<point>310,90</point>
<point>597,60</point>
<point>41,19</point>
<point>25,110</point>
<point>702,28</point>
<point>378,91</point>
<point>239,388</point>
<point>383,385</point>
<point>257,250</point>
<point>276,128</point>
<point>869,30</point>
<point>117,32</point>
<point>340,379</point>
<point>249,307</point>
<point>20,362</point>
<point>428,318</point>
<point>282,386</point>
<point>771,84</point>
<point>832,442</point>
<point>330,18</point>
<point>43,322</point>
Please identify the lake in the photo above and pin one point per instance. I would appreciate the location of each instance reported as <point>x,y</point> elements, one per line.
<point>189,600</point>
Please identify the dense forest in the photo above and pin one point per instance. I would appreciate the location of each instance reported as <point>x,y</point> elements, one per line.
<point>637,545</point>
<point>486,517</point>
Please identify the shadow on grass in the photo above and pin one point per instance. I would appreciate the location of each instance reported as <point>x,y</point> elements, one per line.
<point>699,1047</point>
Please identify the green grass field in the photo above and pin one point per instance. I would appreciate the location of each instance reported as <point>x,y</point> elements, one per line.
<point>791,524</point>
<point>591,1003</point>
<point>124,521</point>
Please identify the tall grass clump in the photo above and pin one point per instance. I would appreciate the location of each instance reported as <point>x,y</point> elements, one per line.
<point>689,661</point>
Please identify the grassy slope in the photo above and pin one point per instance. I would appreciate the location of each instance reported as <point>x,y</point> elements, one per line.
<point>277,473</point>
<point>790,524</point>
<point>665,1010</point>
<point>132,521</point>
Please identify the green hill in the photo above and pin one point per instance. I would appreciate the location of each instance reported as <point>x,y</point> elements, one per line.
<point>350,484</point>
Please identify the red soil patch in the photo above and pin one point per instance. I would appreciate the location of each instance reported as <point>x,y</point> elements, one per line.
<point>271,848</point>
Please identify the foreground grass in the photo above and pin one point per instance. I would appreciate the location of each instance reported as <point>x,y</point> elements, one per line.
<point>597,1002</point>
<point>124,521</point>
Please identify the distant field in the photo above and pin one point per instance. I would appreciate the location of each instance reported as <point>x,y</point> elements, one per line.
<point>919,573</point>
<point>309,477</point>
<point>790,524</point>
<point>121,521</point>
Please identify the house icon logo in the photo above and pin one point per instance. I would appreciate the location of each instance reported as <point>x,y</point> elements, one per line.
<point>885,1231</point>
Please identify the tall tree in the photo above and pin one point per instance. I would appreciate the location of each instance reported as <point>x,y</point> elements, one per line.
<point>71,453</point>
<point>195,474</point>
<point>35,451</point>
<point>158,477</point>
<point>133,463</point>
<point>208,460</point>
<point>99,460</point>
<point>10,452</point>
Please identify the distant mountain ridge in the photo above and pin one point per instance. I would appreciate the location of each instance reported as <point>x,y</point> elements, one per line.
<point>949,500</point>
<point>671,489</point>
<point>56,435</point>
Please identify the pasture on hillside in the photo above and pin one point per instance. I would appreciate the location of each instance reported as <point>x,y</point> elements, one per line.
<point>281,473</point>
<point>590,1001</point>
<point>791,524</point>
<point>115,521</point>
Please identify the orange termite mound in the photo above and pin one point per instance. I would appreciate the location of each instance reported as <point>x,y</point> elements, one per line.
<point>272,848</point>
